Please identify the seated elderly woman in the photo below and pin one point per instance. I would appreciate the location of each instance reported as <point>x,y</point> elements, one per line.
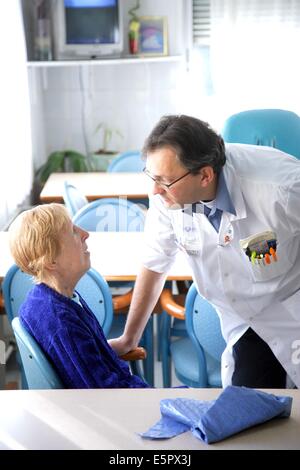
<point>45,243</point>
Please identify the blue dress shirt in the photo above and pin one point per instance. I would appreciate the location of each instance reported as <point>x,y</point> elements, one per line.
<point>221,203</point>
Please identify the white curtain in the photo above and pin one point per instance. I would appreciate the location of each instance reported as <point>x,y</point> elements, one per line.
<point>255,54</point>
<point>15,141</point>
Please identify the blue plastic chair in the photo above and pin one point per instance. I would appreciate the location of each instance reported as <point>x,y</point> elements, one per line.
<point>91,286</point>
<point>271,127</point>
<point>196,358</point>
<point>73,198</point>
<point>127,162</point>
<point>40,374</point>
<point>110,215</point>
<point>119,215</point>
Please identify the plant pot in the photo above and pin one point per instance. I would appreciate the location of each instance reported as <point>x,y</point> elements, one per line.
<point>100,161</point>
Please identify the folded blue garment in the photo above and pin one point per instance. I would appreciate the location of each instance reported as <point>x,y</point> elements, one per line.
<point>237,408</point>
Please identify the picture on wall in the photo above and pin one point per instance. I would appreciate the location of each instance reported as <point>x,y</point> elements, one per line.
<point>153,36</point>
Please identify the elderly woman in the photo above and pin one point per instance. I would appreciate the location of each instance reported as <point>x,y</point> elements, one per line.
<point>45,243</point>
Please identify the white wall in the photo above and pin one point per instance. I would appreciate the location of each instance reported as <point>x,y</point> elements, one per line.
<point>68,103</point>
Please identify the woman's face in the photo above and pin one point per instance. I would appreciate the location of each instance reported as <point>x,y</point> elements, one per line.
<point>74,257</point>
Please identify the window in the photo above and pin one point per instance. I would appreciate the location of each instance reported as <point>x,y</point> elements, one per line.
<point>201,22</point>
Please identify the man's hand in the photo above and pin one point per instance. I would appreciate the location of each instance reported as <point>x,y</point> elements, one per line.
<point>148,287</point>
<point>120,345</point>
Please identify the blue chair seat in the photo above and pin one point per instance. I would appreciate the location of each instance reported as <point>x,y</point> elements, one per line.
<point>184,353</point>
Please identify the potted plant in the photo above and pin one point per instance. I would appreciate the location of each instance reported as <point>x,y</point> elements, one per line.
<point>62,161</point>
<point>134,27</point>
<point>59,161</point>
<point>101,158</point>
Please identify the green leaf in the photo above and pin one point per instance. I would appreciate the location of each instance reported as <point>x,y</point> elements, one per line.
<point>77,161</point>
<point>132,13</point>
<point>53,164</point>
<point>56,162</point>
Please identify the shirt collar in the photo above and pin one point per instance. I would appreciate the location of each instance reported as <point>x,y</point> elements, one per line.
<point>223,200</point>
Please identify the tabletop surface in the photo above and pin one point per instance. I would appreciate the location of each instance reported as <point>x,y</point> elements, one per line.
<point>97,185</point>
<point>115,255</point>
<point>112,419</point>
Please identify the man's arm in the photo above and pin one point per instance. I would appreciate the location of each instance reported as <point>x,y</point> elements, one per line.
<point>148,287</point>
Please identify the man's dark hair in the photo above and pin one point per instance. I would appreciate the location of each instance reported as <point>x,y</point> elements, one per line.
<point>196,144</point>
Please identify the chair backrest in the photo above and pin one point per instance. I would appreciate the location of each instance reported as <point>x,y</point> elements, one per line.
<point>15,287</point>
<point>130,162</point>
<point>73,198</point>
<point>92,287</point>
<point>39,372</point>
<point>203,324</point>
<point>271,127</point>
<point>96,293</point>
<point>111,215</point>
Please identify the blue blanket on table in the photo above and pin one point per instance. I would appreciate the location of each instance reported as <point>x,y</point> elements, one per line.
<point>237,408</point>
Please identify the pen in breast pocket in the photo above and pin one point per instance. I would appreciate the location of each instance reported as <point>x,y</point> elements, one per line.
<point>273,254</point>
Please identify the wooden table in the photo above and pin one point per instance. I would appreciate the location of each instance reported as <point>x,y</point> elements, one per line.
<point>111,419</point>
<point>97,185</point>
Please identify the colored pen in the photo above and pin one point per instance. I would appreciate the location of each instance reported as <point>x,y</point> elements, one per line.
<point>273,253</point>
<point>253,256</point>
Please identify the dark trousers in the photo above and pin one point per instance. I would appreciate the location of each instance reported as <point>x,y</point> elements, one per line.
<point>255,364</point>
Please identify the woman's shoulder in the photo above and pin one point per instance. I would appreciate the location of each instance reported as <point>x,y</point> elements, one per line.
<point>46,307</point>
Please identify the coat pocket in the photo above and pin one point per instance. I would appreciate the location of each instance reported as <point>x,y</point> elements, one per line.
<point>262,272</point>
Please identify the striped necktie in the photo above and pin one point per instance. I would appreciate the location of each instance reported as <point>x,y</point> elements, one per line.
<point>214,219</point>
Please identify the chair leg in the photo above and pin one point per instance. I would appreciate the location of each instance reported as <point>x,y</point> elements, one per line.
<point>165,349</point>
<point>24,383</point>
<point>158,338</point>
<point>147,342</point>
<point>136,369</point>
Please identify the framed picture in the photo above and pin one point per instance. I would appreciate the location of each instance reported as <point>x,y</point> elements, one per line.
<point>153,36</point>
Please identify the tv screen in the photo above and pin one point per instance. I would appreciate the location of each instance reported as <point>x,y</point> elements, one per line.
<point>92,22</point>
<point>88,28</point>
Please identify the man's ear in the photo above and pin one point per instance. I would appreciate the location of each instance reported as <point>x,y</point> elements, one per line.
<point>207,175</point>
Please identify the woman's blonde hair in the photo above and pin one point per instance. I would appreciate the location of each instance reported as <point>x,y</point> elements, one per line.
<point>34,237</point>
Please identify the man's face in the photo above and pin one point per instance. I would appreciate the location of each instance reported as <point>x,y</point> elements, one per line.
<point>163,167</point>
<point>74,257</point>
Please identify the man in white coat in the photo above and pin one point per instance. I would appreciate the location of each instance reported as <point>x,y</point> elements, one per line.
<point>235,211</point>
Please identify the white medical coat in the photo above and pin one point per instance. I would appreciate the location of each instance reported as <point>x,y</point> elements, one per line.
<point>264,185</point>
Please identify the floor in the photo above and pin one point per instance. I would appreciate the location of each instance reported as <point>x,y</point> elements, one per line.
<point>12,374</point>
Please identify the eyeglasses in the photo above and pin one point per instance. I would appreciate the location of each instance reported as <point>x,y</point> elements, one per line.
<point>164,185</point>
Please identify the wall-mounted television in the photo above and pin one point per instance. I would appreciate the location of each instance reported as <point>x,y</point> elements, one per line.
<point>87,29</point>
